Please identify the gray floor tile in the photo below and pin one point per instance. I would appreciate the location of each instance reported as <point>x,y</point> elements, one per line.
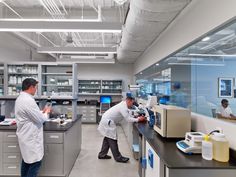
<point>88,165</point>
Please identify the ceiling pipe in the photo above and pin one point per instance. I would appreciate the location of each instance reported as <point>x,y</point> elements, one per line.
<point>145,21</point>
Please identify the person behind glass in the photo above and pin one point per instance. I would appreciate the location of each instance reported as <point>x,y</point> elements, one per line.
<point>29,120</point>
<point>224,111</point>
<point>107,128</point>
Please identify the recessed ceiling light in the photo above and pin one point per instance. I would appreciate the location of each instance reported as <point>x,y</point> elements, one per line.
<point>141,73</point>
<point>157,64</point>
<point>206,39</point>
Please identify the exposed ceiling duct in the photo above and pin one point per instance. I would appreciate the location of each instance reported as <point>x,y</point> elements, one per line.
<point>144,23</point>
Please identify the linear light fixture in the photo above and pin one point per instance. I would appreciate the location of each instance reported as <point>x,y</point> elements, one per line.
<point>59,26</point>
<point>49,20</point>
<point>212,55</point>
<point>206,39</point>
<point>77,50</point>
<point>197,64</point>
<point>92,61</point>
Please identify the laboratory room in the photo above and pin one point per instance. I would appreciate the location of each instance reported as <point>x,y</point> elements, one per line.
<point>110,88</point>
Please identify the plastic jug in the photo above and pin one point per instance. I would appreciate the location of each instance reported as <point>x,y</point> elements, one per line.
<point>207,148</point>
<point>220,147</point>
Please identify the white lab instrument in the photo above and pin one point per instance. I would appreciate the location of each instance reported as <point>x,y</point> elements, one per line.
<point>192,143</point>
<point>152,101</point>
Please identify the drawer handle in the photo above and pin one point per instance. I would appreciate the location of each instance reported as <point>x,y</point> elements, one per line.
<point>11,146</point>
<point>54,136</point>
<point>12,167</point>
<point>11,157</point>
<point>11,136</point>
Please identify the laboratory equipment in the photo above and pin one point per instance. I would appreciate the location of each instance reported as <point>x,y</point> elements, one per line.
<point>192,143</point>
<point>171,121</point>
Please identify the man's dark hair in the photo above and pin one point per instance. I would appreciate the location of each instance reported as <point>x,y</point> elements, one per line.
<point>28,82</point>
<point>224,101</point>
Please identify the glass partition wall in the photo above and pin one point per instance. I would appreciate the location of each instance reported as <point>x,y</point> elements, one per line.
<point>198,76</point>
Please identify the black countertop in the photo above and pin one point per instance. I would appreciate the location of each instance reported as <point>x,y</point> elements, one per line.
<point>48,126</point>
<point>173,157</point>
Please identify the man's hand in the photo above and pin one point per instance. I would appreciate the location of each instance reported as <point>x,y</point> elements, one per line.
<point>47,110</point>
<point>141,119</point>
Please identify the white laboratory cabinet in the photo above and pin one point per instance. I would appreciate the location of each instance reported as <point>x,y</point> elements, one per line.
<point>154,165</point>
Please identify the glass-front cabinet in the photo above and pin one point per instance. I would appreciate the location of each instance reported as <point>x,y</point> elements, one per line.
<point>57,80</point>
<point>16,73</point>
<point>111,86</point>
<point>1,79</point>
<point>89,87</point>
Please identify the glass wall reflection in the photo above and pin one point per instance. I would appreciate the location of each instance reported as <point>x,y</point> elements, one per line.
<point>197,77</point>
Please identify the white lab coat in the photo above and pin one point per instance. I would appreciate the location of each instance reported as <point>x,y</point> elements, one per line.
<point>224,111</point>
<point>107,125</point>
<point>29,121</point>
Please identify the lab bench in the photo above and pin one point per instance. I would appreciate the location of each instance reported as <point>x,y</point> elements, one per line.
<point>161,158</point>
<point>62,145</point>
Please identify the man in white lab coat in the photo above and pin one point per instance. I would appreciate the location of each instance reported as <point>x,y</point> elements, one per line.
<point>30,121</point>
<point>107,127</point>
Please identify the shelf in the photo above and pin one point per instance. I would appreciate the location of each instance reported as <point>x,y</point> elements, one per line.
<point>95,94</point>
<point>50,85</point>
<point>88,84</point>
<point>90,88</point>
<point>60,74</point>
<point>112,89</point>
<point>22,73</point>
<point>14,85</point>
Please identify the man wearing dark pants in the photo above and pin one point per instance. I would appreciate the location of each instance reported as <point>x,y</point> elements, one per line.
<point>30,121</point>
<point>107,127</point>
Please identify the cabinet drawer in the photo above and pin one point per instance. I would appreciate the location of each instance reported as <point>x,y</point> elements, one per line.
<point>11,147</point>
<point>11,169</point>
<point>53,138</point>
<point>11,157</point>
<point>9,137</point>
<point>92,111</point>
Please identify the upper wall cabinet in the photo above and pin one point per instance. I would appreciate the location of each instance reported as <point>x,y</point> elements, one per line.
<point>59,80</point>
<point>16,73</point>
<point>1,79</point>
<point>55,79</point>
<point>112,87</point>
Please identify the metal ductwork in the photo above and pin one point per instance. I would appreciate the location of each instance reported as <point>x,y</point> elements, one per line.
<point>144,23</point>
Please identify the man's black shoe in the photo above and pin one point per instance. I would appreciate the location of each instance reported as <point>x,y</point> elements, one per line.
<point>105,157</point>
<point>123,159</point>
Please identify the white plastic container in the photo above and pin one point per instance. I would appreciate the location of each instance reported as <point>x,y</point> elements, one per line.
<point>220,147</point>
<point>207,148</point>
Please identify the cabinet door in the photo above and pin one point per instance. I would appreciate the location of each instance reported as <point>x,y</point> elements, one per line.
<point>155,167</point>
<point>53,160</point>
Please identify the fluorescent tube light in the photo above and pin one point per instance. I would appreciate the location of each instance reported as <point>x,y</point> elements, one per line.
<point>76,52</point>
<point>206,39</point>
<point>212,55</point>
<point>197,64</point>
<point>58,30</point>
<point>49,20</point>
<point>59,26</point>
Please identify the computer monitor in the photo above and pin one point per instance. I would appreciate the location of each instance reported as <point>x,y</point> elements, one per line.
<point>105,99</point>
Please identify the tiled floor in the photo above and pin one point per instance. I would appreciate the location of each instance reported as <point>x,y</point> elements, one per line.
<point>88,165</point>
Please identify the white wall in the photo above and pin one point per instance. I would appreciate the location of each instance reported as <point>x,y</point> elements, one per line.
<point>13,49</point>
<point>207,124</point>
<point>198,18</point>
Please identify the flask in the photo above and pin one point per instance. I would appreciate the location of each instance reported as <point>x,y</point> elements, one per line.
<point>220,147</point>
<point>207,148</point>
